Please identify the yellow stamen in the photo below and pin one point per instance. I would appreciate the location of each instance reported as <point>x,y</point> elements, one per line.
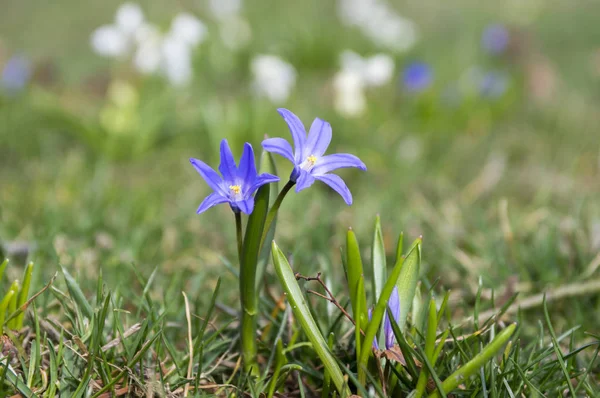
<point>311,160</point>
<point>235,189</point>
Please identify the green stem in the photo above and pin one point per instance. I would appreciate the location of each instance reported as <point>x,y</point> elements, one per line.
<point>248,264</point>
<point>238,232</point>
<point>273,211</point>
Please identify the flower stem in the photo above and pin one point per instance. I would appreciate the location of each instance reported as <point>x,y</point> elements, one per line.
<point>238,231</point>
<point>273,211</point>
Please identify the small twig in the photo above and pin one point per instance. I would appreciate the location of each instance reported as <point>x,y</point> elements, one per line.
<point>330,297</point>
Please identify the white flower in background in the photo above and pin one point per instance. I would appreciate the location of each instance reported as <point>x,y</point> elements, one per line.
<point>349,91</point>
<point>109,41</point>
<point>188,29</point>
<point>129,17</point>
<point>273,77</point>
<point>152,51</point>
<point>222,9</point>
<point>356,75</point>
<point>379,22</point>
<point>117,39</point>
<point>177,61</point>
<point>148,56</point>
<point>186,33</point>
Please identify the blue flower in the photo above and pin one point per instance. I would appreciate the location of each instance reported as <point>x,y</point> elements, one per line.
<point>237,184</point>
<point>16,73</point>
<point>308,157</point>
<point>495,39</point>
<point>417,77</point>
<point>388,332</point>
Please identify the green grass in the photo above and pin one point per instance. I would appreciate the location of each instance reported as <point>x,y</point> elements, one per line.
<point>504,193</point>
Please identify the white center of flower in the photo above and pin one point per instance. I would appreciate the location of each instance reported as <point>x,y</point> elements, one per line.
<point>235,192</point>
<point>308,163</point>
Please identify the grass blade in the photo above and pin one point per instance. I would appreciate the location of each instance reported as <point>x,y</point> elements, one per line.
<point>77,295</point>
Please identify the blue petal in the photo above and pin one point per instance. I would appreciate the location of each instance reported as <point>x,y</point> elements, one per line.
<point>247,169</point>
<point>375,345</point>
<point>246,206</point>
<point>211,200</point>
<point>227,166</point>
<point>297,129</point>
<point>280,147</point>
<point>304,181</point>
<point>338,185</point>
<point>394,307</point>
<point>263,179</point>
<point>211,177</point>
<point>319,138</point>
<point>337,161</point>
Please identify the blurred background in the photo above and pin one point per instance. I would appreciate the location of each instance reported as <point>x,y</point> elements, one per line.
<point>478,125</point>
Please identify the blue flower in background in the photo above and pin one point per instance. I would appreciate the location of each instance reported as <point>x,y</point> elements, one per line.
<point>495,38</point>
<point>417,77</point>
<point>388,332</point>
<point>16,73</point>
<point>308,158</point>
<point>237,184</point>
<point>493,85</point>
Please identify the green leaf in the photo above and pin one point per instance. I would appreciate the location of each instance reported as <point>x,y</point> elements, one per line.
<point>357,336</point>
<point>378,262</point>
<point>471,367</point>
<point>12,305</point>
<point>3,268</point>
<point>77,295</point>
<point>380,307</point>
<point>354,272</point>
<point>378,267</point>
<point>248,293</point>
<point>302,313</point>
<point>267,165</point>
<point>407,282</point>
<point>4,307</point>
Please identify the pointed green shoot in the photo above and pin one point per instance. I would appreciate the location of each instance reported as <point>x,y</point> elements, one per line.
<point>12,304</point>
<point>3,268</point>
<point>307,323</point>
<point>379,310</point>
<point>4,308</point>
<point>378,262</point>
<point>378,267</point>
<point>407,283</point>
<point>354,272</point>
